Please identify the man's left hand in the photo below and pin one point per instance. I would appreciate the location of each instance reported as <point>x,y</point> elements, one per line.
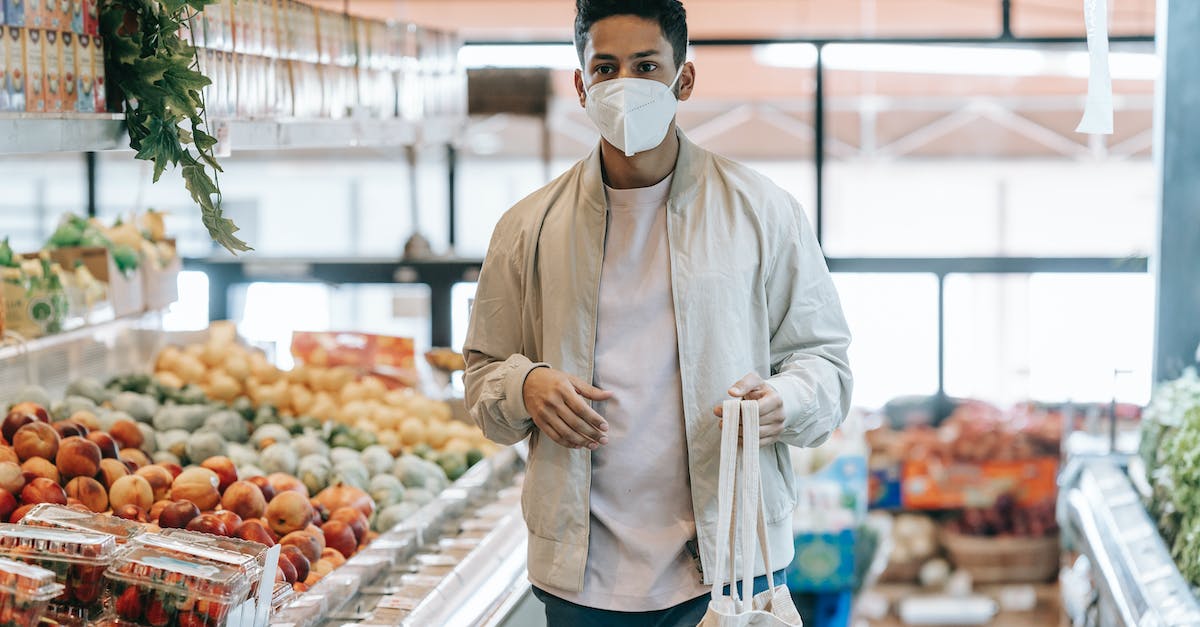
<point>770,406</point>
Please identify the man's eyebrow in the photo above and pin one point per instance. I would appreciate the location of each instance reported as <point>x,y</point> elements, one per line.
<point>637,55</point>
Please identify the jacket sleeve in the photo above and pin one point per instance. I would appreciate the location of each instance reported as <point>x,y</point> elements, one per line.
<point>809,337</point>
<point>496,367</point>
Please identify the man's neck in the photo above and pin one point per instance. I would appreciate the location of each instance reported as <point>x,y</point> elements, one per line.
<point>643,169</point>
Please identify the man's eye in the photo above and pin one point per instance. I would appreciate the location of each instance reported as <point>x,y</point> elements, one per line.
<point>646,68</point>
<point>604,69</point>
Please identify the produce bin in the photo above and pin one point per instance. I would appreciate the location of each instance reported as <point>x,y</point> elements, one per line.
<point>78,560</point>
<point>152,587</point>
<point>25,592</point>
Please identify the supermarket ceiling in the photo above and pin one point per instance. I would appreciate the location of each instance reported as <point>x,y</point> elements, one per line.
<point>883,102</point>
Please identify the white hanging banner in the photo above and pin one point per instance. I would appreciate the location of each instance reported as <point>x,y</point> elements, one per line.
<point>1098,112</point>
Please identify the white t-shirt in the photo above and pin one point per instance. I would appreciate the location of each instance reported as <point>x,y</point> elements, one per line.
<point>641,502</point>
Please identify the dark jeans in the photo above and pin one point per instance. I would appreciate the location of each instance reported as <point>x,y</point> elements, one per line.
<point>560,613</point>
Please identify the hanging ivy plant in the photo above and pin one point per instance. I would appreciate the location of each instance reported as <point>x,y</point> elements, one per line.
<point>155,74</point>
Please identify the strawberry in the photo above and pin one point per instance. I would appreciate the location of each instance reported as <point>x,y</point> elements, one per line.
<point>86,592</point>
<point>156,614</point>
<point>190,619</point>
<point>129,604</point>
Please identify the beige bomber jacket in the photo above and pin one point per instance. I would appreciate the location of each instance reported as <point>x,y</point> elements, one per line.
<point>751,293</point>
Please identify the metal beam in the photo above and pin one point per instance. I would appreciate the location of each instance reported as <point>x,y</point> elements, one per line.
<point>821,41</point>
<point>989,265</point>
<point>1177,153</point>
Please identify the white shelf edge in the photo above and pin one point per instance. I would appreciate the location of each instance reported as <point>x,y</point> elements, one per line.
<point>10,349</point>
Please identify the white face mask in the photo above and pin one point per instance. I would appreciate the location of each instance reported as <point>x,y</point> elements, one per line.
<point>633,114</point>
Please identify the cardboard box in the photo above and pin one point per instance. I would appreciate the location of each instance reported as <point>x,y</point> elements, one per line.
<point>14,12</point>
<point>100,105</point>
<point>52,60</point>
<point>930,485</point>
<point>70,71</point>
<point>124,291</point>
<point>85,78</point>
<point>160,286</point>
<point>31,308</point>
<point>35,70</point>
<point>14,42</point>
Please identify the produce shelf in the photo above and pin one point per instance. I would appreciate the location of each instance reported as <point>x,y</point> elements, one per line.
<point>1135,578</point>
<point>22,133</point>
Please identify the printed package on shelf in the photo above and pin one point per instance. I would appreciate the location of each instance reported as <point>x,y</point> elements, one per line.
<point>70,71</point>
<point>15,43</point>
<point>35,71</point>
<point>52,58</point>
<point>100,105</point>
<point>14,12</point>
<point>85,78</point>
<point>4,64</point>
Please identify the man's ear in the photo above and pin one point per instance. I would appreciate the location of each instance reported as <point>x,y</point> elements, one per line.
<point>579,89</point>
<point>687,81</point>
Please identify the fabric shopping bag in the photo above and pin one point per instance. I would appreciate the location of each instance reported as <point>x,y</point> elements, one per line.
<point>739,494</point>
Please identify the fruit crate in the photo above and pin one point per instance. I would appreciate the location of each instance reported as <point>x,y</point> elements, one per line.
<point>77,559</point>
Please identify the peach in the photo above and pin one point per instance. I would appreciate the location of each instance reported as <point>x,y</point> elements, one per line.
<point>177,514</point>
<point>11,479</point>
<point>305,542</point>
<point>244,499</point>
<point>289,511</point>
<point>159,478</point>
<point>110,471</point>
<point>208,523</point>
<point>36,439</point>
<point>198,485</point>
<point>226,472</point>
<point>38,467</point>
<point>43,490</point>
<point>129,511</point>
<point>256,531</point>
<point>137,456</point>
<point>108,446</point>
<point>78,457</point>
<point>127,434</point>
<point>89,492</point>
<point>339,536</point>
<point>131,490</point>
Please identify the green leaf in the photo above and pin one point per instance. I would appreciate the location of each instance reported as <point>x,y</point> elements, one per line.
<point>161,146</point>
<point>150,70</point>
<point>204,141</point>
<point>221,229</point>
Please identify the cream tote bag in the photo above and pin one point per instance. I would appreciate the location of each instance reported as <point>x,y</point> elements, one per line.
<point>740,492</point>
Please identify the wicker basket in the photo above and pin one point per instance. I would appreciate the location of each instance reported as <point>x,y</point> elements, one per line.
<point>1004,560</point>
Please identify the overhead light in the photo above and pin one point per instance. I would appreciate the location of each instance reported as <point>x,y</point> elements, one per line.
<point>955,60</point>
<point>552,56</point>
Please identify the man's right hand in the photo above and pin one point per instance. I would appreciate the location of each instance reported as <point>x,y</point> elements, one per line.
<point>556,402</point>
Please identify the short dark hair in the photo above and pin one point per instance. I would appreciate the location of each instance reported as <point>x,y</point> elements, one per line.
<point>669,14</point>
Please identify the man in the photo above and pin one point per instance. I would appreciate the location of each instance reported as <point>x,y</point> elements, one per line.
<point>617,307</point>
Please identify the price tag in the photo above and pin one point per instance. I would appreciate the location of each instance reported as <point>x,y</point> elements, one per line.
<point>397,603</point>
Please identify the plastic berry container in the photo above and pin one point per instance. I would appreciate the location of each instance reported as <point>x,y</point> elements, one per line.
<point>60,517</point>
<point>152,587</point>
<point>282,596</point>
<point>25,592</point>
<point>245,548</point>
<point>77,559</point>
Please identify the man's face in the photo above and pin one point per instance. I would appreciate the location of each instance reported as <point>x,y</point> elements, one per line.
<point>627,46</point>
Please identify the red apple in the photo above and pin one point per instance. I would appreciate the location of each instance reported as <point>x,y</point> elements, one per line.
<point>256,531</point>
<point>305,542</point>
<point>208,523</point>
<point>36,439</point>
<point>244,499</point>
<point>43,490</point>
<point>226,472</point>
<point>106,443</point>
<point>20,513</point>
<point>264,484</point>
<point>129,511</point>
<point>78,457</point>
<point>8,505</point>
<point>127,433</point>
<point>178,514</point>
<point>299,561</point>
<point>355,519</point>
<point>233,522</point>
<point>66,429</point>
<point>339,536</point>
<point>289,571</point>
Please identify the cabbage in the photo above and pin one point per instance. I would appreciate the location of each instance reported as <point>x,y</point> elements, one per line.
<point>350,473</point>
<point>415,472</point>
<point>241,455</point>
<point>141,407</point>
<point>386,490</point>
<point>275,432</point>
<point>388,517</point>
<point>174,442</point>
<point>278,457</point>
<point>70,405</point>
<point>314,472</point>
<point>149,438</point>
<point>203,445</point>
<point>377,459</point>
<point>229,424</point>
<point>186,417</point>
<point>342,454</point>
<point>309,444</point>
<point>90,389</point>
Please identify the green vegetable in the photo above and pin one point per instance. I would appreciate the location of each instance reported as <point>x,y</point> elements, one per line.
<point>388,517</point>
<point>243,406</point>
<point>309,444</point>
<point>270,432</point>
<point>32,394</point>
<point>188,418</point>
<point>165,457</point>
<point>1171,424</point>
<point>278,457</point>
<point>141,407</point>
<point>454,464</point>
<point>424,451</point>
<point>344,455</point>
<point>314,471</point>
<point>229,424</point>
<point>71,404</point>
<point>377,460</point>
<point>204,444</point>
<point>89,388</point>
<point>415,472</point>
<point>149,438</point>
<point>386,490</point>
<point>66,235</point>
<point>6,255</point>
<point>174,442</point>
<point>242,455</point>
<point>474,456</point>
<point>350,473</point>
<point>156,75</point>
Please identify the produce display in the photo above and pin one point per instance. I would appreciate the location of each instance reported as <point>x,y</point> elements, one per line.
<point>974,432</point>
<point>25,591</point>
<point>1170,448</point>
<point>1006,518</point>
<point>157,587</point>
<point>78,561</point>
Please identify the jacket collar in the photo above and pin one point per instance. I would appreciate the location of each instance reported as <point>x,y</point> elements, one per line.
<point>688,167</point>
